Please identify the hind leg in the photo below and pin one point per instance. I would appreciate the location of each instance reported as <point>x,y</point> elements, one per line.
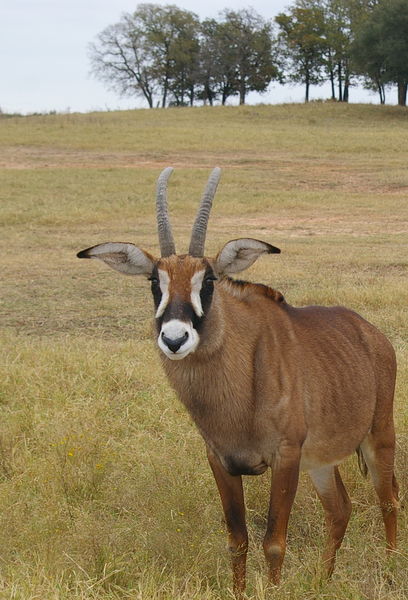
<point>378,451</point>
<point>337,507</point>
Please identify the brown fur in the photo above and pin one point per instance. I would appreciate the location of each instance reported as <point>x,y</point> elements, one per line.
<point>265,372</point>
<point>273,385</point>
<point>180,269</point>
<point>270,385</point>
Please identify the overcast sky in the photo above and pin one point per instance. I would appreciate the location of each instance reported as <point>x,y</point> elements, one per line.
<point>44,62</point>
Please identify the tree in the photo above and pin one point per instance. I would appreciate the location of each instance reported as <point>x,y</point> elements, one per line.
<point>369,59</point>
<point>303,43</point>
<point>150,52</point>
<point>338,22</point>
<point>245,47</point>
<point>122,57</point>
<point>184,56</point>
<point>172,34</point>
<point>211,74</point>
<point>381,46</point>
<point>342,17</point>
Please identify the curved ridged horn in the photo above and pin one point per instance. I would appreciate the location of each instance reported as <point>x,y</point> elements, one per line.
<point>166,240</point>
<point>201,222</point>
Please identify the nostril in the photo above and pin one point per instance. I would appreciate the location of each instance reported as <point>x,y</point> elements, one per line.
<point>174,344</point>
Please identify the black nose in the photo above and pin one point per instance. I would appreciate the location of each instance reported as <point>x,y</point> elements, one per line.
<point>174,345</point>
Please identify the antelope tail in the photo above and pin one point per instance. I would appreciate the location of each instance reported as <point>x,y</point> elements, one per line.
<point>362,465</point>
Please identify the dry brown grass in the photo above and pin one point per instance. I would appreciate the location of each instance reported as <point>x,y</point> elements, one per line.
<point>104,489</point>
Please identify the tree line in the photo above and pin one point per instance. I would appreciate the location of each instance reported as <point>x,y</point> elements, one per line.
<point>170,58</point>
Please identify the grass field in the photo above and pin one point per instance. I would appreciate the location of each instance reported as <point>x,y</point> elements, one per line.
<point>104,488</point>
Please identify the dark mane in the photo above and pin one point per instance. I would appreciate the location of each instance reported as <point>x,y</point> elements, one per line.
<point>243,289</point>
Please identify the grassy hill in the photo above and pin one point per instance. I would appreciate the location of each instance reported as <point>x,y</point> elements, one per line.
<point>104,488</point>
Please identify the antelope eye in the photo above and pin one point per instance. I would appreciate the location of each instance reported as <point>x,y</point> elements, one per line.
<point>153,280</point>
<point>210,278</point>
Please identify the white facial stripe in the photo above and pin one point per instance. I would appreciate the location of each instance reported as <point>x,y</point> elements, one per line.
<point>196,283</point>
<point>174,330</point>
<point>164,281</point>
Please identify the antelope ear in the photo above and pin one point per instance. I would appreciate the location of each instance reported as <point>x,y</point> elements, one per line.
<point>126,258</point>
<point>240,254</point>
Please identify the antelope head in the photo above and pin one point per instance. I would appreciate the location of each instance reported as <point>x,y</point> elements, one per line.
<point>182,285</point>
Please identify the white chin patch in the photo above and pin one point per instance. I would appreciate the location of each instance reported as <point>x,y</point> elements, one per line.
<point>178,339</point>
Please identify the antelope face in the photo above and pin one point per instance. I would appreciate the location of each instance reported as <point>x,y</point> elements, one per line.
<point>182,288</point>
<point>182,285</point>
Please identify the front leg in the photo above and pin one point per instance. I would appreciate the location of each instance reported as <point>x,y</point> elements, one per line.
<point>285,478</point>
<point>232,498</point>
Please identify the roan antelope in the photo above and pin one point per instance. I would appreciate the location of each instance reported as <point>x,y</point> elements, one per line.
<point>267,384</point>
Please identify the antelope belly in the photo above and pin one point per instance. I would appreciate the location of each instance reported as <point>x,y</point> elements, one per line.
<point>244,465</point>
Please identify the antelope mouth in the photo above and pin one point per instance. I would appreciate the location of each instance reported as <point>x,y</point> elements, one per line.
<point>177,339</point>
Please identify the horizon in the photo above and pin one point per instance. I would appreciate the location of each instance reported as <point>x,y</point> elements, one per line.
<point>48,68</point>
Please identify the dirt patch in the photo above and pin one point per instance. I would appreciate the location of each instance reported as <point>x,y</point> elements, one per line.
<point>288,172</point>
<point>311,225</point>
<point>26,157</point>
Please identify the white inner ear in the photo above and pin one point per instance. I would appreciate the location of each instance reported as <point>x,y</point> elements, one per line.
<point>126,258</point>
<point>164,280</point>
<point>238,255</point>
<point>196,283</point>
